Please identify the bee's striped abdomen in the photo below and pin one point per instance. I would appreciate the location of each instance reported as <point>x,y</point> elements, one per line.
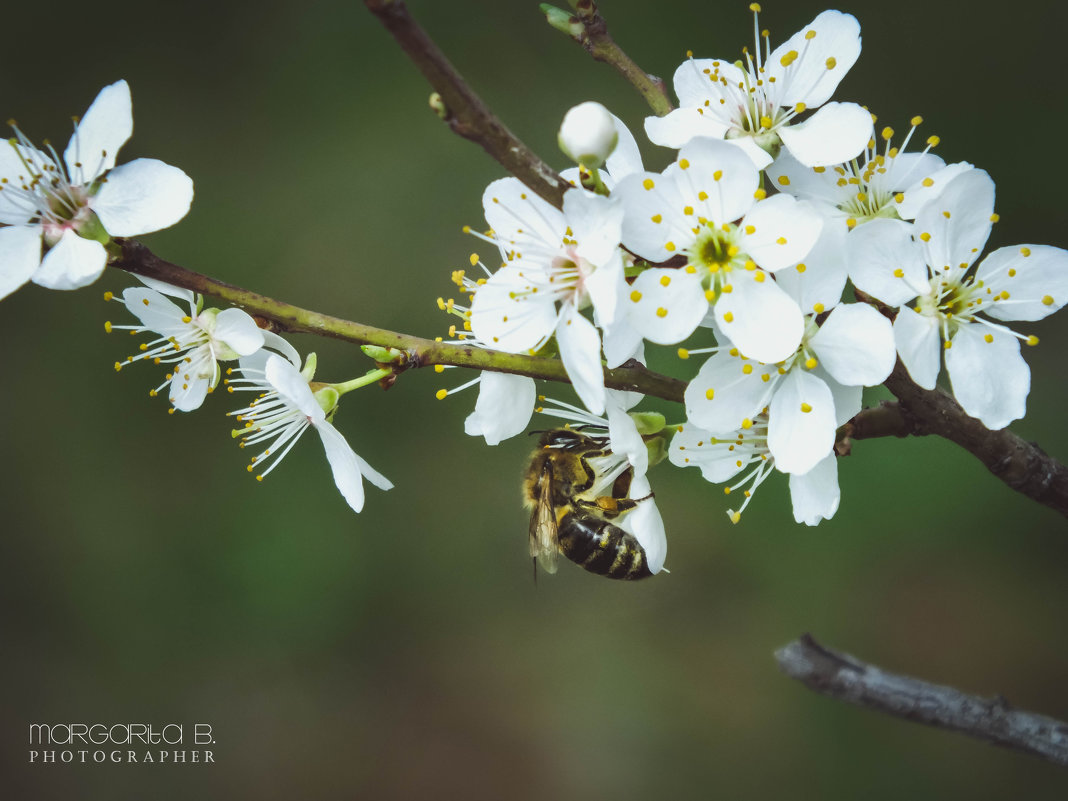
<point>602,547</point>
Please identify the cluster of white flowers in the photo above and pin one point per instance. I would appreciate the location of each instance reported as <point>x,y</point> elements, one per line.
<point>751,237</point>
<point>57,221</point>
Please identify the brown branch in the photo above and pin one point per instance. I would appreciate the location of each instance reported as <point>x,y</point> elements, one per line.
<point>993,720</point>
<point>591,31</point>
<point>1021,465</point>
<point>464,111</point>
<point>136,258</point>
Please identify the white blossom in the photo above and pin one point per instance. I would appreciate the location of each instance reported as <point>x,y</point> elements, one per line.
<point>284,408</point>
<point>704,209</point>
<point>755,106</point>
<point>959,310</point>
<point>56,214</point>
<point>194,341</point>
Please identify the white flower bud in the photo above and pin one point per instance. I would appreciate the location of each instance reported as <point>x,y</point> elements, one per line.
<point>588,134</point>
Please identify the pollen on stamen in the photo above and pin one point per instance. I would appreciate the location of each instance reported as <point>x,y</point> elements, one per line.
<point>683,353</point>
<point>441,393</point>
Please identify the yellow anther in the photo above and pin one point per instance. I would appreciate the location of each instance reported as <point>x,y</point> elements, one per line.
<point>747,369</point>
<point>783,180</point>
<point>750,230</point>
<point>926,237</point>
<point>799,108</point>
<point>899,197</point>
<point>669,246</point>
<point>702,196</point>
<point>806,408</point>
<point>107,327</point>
<point>728,318</point>
<point>665,280</point>
<point>683,353</point>
<point>995,217</point>
<point>789,58</point>
<point>657,218</point>
<point>736,516</point>
<point>832,62</point>
<point>928,182</point>
<point>988,338</point>
<point>710,393</point>
<point>1025,251</point>
<point>917,120</point>
<point>108,296</point>
<point>648,183</point>
<point>760,194</point>
<point>810,363</point>
<point>1032,340</point>
<point>887,133</point>
<point>947,345</point>
<point>801,267</point>
<point>781,240</point>
<point>754,7</point>
<point>759,277</point>
<point>684,164</point>
<point>899,273</point>
<point>933,140</point>
<point>851,223</point>
<point>635,296</point>
<point>1047,300</point>
<point>687,210</point>
<point>946,214</point>
<point>717,175</point>
<point>661,312</point>
<point>710,295</point>
<point>441,393</point>
<point>439,368</point>
<point>747,424</point>
<point>818,308</point>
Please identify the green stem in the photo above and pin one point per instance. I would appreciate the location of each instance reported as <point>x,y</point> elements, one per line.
<point>419,352</point>
<point>370,378</point>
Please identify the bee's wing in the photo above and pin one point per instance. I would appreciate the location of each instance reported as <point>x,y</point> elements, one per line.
<point>544,545</point>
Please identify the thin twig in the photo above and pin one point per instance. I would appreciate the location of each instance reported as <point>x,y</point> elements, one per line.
<point>592,33</point>
<point>419,352</point>
<point>464,111</point>
<point>846,678</point>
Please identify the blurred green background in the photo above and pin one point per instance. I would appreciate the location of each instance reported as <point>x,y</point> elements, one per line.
<point>405,652</point>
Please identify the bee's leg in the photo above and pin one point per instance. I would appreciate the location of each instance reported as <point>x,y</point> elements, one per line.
<point>591,474</point>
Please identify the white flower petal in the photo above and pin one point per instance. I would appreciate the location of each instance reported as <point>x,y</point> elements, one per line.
<point>274,342</point>
<point>506,315</point>
<point>188,391</point>
<point>647,525</point>
<point>624,437</point>
<point>167,289</point>
<point>835,134</point>
<point>801,422</point>
<point>855,345</point>
<point>238,331</point>
<point>990,378</point>
<point>791,176</point>
<point>923,181</point>
<point>15,208</point>
<point>824,51</point>
<point>818,280</point>
<point>885,262</point>
<point>626,158</point>
<point>681,125</point>
<point>815,494</point>
<point>143,196</point>
<point>714,168</point>
<point>101,132</point>
<point>72,263</point>
<point>727,391</point>
<point>505,403</point>
<point>20,256</point>
<point>1036,283</point>
<point>344,465</point>
<point>293,387</point>
<point>919,346</point>
<point>521,220</point>
<point>784,231</point>
<point>607,288</point>
<point>580,351</point>
<point>718,459</point>
<point>759,318</point>
<point>848,401</point>
<point>596,222</point>
<point>666,305</point>
<point>957,222</point>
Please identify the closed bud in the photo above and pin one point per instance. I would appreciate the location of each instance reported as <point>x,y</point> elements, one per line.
<point>588,134</point>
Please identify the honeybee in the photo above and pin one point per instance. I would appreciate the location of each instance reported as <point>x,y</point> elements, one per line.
<point>570,512</point>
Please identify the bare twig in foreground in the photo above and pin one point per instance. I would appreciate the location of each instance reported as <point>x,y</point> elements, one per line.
<point>848,679</point>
